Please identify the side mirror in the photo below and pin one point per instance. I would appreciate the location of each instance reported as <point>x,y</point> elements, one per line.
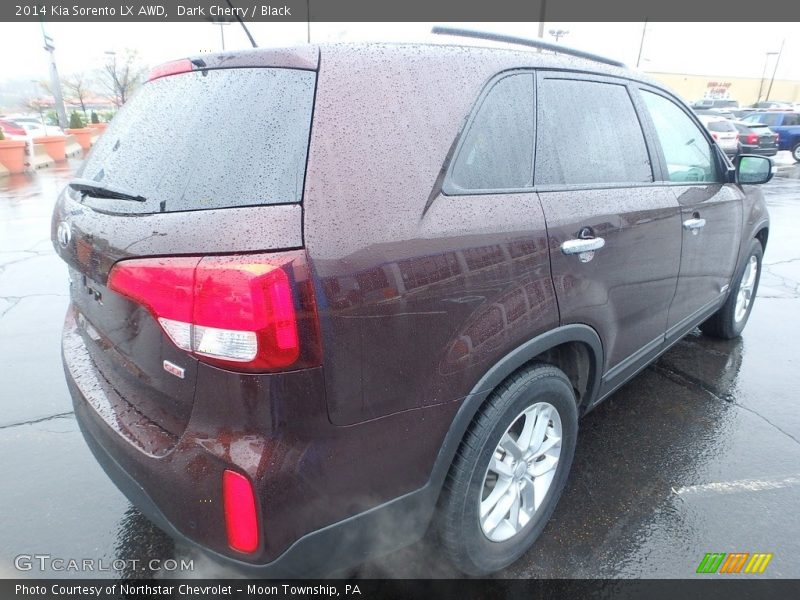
<point>753,169</point>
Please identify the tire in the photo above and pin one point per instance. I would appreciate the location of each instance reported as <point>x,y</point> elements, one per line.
<point>796,152</point>
<point>729,321</point>
<point>540,390</point>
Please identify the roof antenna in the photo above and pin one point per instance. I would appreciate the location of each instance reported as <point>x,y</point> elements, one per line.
<point>239,18</point>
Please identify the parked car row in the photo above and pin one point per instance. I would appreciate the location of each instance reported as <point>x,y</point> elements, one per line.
<point>758,132</point>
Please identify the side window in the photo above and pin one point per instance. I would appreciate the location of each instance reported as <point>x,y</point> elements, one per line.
<point>588,133</point>
<point>688,154</point>
<point>791,120</point>
<point>497,152</point>
<point>768,119</point>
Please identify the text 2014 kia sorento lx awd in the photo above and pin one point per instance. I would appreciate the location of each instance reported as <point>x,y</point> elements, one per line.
<point>327,297</point>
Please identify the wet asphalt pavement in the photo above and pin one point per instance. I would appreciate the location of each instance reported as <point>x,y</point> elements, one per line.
<point>699,453</point>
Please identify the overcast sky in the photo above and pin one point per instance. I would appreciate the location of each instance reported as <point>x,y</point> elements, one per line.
<point>701,48</point>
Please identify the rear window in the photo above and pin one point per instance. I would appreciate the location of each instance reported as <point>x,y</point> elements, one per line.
<point>721,126</point>
<point>208,139</point>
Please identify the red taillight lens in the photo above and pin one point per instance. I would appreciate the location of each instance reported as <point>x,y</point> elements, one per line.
<point>164,285</point>
<point>171,68</point>
<point>241,518</point>
<point>752,139</point>
<point>714,135</point>
<point>253,312</point>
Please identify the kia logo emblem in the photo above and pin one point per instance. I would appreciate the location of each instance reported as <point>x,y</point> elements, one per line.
<point>64,234</point>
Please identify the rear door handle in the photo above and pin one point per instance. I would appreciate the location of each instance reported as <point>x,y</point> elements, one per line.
<point>694,224</point>
<point>580,246</point>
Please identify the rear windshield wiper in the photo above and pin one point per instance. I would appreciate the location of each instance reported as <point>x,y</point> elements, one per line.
<point>97,190</point>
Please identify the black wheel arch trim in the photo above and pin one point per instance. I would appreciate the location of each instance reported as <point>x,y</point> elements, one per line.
<point>500,371</point>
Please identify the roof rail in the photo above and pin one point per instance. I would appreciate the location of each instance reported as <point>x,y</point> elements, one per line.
<point>510,39</point>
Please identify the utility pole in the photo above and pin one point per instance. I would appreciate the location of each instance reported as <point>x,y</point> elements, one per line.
<point>775,70</point>
<point>542,10</point>
<point>222,24</point>
<point>641,44</point>
<point>764,74</point>
<point>55,82</point>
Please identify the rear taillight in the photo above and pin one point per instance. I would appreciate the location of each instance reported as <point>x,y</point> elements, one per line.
<point>241,518</point>
<point>171,68</point>
<point>752,139</point>
<point>714,135</point>
<point>247,312</point>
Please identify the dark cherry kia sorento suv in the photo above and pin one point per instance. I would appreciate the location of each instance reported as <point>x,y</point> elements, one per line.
<point>327,298</point>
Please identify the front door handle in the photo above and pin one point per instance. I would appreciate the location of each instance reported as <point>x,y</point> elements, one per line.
<point>694,224</point>
<point>582,245</point>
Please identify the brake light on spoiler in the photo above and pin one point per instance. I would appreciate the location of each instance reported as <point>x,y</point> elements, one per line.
<point>251,313</point>
<point>170,68</point>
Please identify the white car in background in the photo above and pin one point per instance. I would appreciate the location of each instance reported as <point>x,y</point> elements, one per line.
<point>723,131</point>
<point>34,126</point>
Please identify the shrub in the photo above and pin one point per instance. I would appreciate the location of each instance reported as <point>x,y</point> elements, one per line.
<point>75,121</point>
<point>95,118</point>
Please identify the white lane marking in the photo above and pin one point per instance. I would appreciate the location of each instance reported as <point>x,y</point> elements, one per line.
<point>742,485</point>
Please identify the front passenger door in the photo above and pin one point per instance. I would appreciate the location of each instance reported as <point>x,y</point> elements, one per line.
<point>711,213</point>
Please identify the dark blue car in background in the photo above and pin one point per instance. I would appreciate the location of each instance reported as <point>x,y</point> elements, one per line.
<point>786,124</point>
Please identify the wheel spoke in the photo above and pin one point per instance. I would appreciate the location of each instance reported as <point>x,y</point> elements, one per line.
<point>508,444</point>
<point>539,432</point>
<point>500,467</point>
<point>526,495</point>
<point>500,488</point>
<point>540,487</point>
<point>532,416</point>
<point>513,515</point>
<point>550,443</point>
<point>498,513</point>
<point>540,467</point>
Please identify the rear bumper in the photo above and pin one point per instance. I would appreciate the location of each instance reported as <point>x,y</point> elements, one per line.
<point>336,547</point>
<point>322,506</point>
<point>759,151</point>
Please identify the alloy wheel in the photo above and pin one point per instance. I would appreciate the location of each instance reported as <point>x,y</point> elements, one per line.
<point>520,472</point>
<point>744,295</point>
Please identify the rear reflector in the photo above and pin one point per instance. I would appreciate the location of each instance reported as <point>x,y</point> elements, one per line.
<point>241,519</point>
<point>253,312</point>
<point>171,68</point>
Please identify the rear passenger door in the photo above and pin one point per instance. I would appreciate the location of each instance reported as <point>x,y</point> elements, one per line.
<point>595,179</point>
<point>711,211</point>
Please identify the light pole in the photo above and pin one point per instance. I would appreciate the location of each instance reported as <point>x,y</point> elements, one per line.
<point>641,44</point>
<point>221,24</point>
<point>542,11</point>
<point>558,33</point>
<point>55,82</point>
<point>764,74</point>
<point>775,70</point>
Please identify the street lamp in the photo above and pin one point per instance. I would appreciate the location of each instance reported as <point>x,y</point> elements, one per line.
<point>764,74</point>
<point>221,24</point>
<point>775,70</point>
<point>558,33</point>
<point>55,82</point>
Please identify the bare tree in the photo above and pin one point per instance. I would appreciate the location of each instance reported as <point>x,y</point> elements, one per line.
<point>37,106</point>
<point>121,75</point>
<point>78,87</point>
